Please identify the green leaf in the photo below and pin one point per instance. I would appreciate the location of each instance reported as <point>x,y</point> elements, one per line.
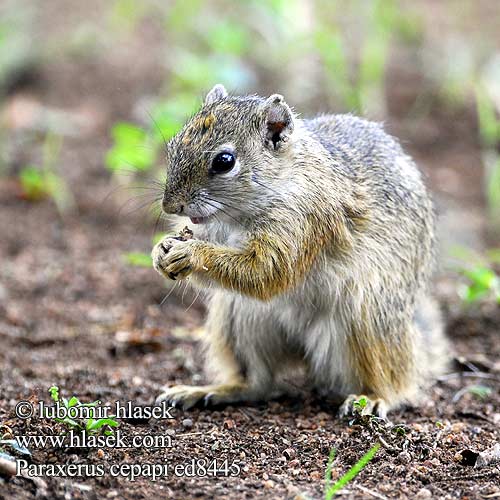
<point>482,277</point>
<point>138,259</point>
<point>98,424</point>
<point>328,472</point>
<point>69,422</point>
<point>73,402</point>
<point>132,148</point>
<point>54,393</point>
<point>361,403</point>
<point>489,125</point>
<point>352,472</point>
<point>481,391</point>
<point>33,183</point>
<point>94,403</point>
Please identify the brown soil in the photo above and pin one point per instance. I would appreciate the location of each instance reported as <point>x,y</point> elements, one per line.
<point>74,314</point>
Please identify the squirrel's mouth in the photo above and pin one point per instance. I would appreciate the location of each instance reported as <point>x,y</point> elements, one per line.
<point>199,220</point>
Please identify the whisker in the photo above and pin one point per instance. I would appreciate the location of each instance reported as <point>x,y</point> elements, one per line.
<point>169,293</point>
<point>140,207</point>
<point>266,187</point>
<point>157,221</point>
<point>158,128</point>
<point>194,300</point>
<point>226,213</point>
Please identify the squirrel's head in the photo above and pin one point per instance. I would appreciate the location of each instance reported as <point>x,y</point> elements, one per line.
<point>218,163</point>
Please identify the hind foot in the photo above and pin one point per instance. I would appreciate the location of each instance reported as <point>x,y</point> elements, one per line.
<point>187,396</point>
<point>356,404</point>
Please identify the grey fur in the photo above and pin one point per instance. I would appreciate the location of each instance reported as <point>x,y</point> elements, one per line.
<point>369,283</point>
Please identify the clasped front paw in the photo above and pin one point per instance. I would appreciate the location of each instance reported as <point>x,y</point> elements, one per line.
<point>172,257</point>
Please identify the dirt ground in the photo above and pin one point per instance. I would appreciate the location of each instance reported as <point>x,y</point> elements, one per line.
<point>74,314</point>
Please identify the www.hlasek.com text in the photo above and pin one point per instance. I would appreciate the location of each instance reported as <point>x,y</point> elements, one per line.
<point>79,439</point>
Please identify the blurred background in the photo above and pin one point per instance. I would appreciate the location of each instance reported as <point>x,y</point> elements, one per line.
<point>90,90</point>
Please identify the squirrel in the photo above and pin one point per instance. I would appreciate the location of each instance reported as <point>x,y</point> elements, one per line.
<point>315,242</point>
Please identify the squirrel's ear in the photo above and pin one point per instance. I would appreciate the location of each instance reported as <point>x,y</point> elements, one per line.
<point>278,121</point>
<point>216,94</point>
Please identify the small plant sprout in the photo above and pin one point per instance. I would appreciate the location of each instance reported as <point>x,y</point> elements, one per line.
<point>132,148</point>
<point>489,132</point>
<point>482,283</point>
<point>42,182</point>
<point>138,259</point>
<point>480,391</point>
<point>90,424</point>
<point>360,404</point>
<point>142,259</point>
<point>138,148</point>
<point>332,490</point>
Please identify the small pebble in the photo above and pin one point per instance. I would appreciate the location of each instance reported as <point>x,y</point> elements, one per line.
<point>404,457</point>
<point>187,423</point>
<point>423,494</point>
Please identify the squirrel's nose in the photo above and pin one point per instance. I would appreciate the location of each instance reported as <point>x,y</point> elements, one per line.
<point>171,207</point>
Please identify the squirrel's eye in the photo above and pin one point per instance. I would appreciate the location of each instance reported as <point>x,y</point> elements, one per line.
<point>223,163</point>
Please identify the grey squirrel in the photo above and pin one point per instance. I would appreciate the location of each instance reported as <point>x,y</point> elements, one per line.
<point>314,241</point>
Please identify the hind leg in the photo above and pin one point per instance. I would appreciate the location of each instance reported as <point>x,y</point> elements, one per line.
<point>238,370</point>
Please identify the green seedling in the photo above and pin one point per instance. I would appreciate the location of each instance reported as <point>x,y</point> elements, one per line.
<point>480,391</point>
<point>139,148</point>
<point>138,259</point>
<point>489,123</point>
<point>360,404</point>
<point>483,282</point>
<point>141,259</point>
<point>90,425</point>
<point>41,182</point>
<point>132,148</point>
<point>489,132</point>
<point>360,86</point>
<point>331,490</point>
<point>36,184</point>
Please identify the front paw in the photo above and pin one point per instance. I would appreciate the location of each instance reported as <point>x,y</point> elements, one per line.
<point>172,257</point>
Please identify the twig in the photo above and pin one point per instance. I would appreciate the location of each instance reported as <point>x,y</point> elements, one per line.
<point>450,376</point>
<point>385,444</point>
<point>469,477</point>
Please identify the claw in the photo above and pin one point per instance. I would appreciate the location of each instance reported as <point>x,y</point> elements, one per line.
<point>207,399</point>
<point>374,406</point>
